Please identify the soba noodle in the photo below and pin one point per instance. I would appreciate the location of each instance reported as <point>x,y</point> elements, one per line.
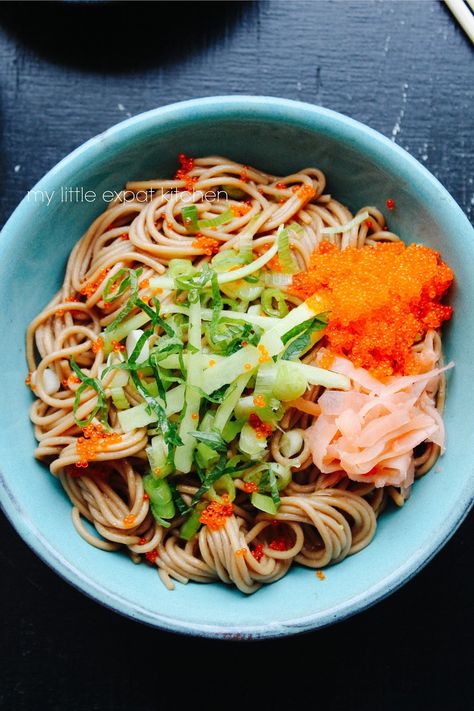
<point>321,518</point>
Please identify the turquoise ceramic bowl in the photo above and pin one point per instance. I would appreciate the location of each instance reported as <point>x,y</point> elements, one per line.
<point>281,136</point>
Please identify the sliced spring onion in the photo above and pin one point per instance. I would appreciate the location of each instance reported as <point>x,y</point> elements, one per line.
<point>119,398</point>
<point>245,248</point>
<point>221,219</point>
<point>232,429</point>
<point>263,503</point>
<point>161,498</point>
<point>233,393</point>
<point>157,454</point>
<point>249,268</point>
<point>226,371</point>
<point>357,220</point>
<point>255,310</point>
<point>250,444</point>
<point>242,290</point>
<point>180,268</point>
<point>289,383</point>
<point>224,485</point>
<point>234,192</point>
<point>192,524</point>
<point>225,260</point>
<point>245,271</point>
<point>189,216</point>
<point>269,475</point>
<point>267,299</point>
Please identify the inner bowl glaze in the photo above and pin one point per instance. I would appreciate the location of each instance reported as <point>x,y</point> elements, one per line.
<point>280,136</point>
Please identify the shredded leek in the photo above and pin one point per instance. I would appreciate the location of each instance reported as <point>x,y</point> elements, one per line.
<point>224,485</point>
<point>262,502</point>
<point>141,416</point>
<point>233,393</point>
<point>355,222</point>
<point>272,339</point>
<point>184,453</point>
<point>243,361</point>
<point>285,257</point>
<point>119,398</point>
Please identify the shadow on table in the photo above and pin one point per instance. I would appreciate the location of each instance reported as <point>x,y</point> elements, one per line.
<point>119,37</point>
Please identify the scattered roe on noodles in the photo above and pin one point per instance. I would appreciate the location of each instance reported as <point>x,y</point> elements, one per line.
<point>95,439</point>
<point>381,299</point>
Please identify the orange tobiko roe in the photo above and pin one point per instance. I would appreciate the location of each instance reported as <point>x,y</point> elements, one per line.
<point>95,440</point>
<point>215,515</point>
<point>208,245</point>
<point>381,300</point>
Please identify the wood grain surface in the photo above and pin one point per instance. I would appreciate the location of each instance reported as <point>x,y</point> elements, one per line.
<point>67,72</point>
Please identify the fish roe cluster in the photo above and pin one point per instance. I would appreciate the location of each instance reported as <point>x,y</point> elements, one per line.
<point>187,165</point>
<point>89,288</point>
<point>95,439</point>
<point>208,245</point>
<point>216,514</point>
<point>262,429</point>
<point>381,300</point>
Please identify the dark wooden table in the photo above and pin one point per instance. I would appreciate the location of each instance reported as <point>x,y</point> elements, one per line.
<point>70,70</point>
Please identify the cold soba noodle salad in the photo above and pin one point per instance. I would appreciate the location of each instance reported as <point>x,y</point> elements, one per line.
<point>238,374</point>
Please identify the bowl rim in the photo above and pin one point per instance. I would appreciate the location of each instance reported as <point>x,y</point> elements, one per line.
<point>271,109</point>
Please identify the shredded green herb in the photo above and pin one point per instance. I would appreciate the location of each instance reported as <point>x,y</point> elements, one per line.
<point>95,384</point>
